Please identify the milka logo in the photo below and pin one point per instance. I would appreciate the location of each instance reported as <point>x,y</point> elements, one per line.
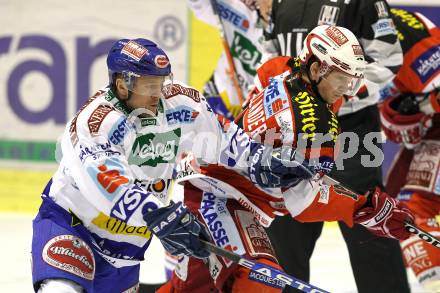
<point>246,52</point>
<point>152,149</point>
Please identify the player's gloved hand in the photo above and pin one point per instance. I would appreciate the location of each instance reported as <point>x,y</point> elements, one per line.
<point>270,168</point>
<point>178,230</point>
<point>384,216</point>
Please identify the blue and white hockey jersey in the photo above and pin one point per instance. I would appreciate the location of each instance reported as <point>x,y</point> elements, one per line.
<point>116,166</point>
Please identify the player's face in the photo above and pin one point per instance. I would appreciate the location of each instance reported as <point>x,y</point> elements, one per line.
<point>146,93</point>
<point>330,92</point>
<point>336,84</point>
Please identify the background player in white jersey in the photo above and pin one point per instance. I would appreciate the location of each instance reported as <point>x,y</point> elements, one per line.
<point>241,24</point>
<point>109,194</point>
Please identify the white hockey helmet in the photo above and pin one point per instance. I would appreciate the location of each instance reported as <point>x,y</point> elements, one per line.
<point>336,48</point>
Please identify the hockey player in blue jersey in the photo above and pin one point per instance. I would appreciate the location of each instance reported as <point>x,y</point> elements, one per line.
<point>110,192</point>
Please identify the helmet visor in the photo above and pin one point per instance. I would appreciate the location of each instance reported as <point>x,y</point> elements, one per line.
<point>345,84</point>
<point>149,85</point>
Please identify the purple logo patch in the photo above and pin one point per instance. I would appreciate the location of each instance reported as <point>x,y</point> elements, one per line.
<point>428,64</point>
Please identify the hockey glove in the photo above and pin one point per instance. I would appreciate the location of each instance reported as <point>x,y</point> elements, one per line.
<point>270,168</point>
<point>178,230</point>
<point>384,216</point>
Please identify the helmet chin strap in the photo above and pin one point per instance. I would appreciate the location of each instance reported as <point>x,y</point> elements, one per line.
<point>128,96</point>
<point>314,84</point>
<point>123,101</point>
<point>115,91</point>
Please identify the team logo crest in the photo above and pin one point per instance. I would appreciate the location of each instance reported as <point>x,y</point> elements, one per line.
<point>70,254</point>
<point>161,61</point>
<point>134,50</point>
<point>336,35</point>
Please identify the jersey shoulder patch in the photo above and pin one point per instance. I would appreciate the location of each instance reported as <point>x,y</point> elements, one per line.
<point>73,123</point>
<point>98,120</point>
<point>179,89</point>
<point>95,119</point>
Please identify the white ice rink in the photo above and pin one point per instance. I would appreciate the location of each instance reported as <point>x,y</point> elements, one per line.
<point>330,265</point>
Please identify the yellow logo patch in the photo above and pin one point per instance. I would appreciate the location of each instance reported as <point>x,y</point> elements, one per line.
<point>116,226</point>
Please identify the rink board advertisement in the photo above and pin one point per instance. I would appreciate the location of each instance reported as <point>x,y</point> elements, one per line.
<point>52,57</point>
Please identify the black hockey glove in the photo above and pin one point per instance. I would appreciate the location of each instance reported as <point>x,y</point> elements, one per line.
<point>178,230</point>
<point>272,168</point>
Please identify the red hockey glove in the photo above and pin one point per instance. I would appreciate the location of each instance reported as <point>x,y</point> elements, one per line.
<point>383,216</point>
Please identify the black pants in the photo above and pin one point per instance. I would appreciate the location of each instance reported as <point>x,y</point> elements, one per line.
<point>376,262</point>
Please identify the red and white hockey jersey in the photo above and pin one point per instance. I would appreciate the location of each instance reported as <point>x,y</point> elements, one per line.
<point>275,116</point>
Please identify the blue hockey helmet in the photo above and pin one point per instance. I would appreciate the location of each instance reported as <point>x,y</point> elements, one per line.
<point>135,58</point>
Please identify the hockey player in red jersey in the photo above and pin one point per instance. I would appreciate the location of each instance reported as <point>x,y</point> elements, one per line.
<point>292,114</point>
<point>411,116</point>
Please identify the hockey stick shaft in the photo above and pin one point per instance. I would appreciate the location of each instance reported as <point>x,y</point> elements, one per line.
<point>257,267</point>
<point>227,49</point>
<point>410,227</point>
<point>263,269</point>
<point>422,234</point>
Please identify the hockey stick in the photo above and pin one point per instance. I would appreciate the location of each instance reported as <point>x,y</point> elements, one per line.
<point>410,227</point>
<point>263,269</point>
<point>257,267</point>
<point>232,71</point>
